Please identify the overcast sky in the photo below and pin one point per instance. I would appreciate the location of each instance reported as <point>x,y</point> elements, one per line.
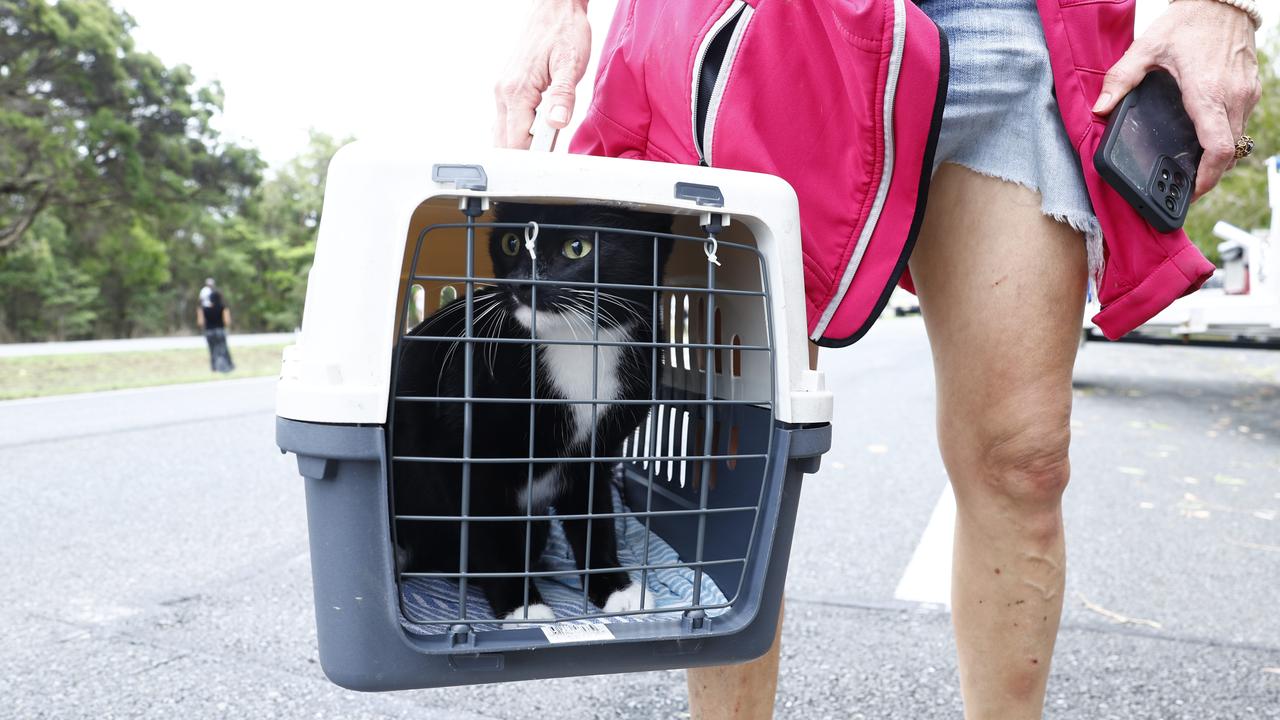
<point>367,68</point>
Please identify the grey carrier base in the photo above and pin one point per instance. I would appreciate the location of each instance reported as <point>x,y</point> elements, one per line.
<point>363,645</point>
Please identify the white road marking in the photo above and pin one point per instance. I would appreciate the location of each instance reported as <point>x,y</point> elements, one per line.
<point>927,578</point>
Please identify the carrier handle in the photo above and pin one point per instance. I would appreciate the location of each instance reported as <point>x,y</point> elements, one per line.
<point>544,136</point>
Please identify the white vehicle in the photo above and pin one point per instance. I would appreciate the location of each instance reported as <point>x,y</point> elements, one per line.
<point>1240,304</point>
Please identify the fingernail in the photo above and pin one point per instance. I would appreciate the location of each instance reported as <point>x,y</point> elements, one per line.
<point>560,114</point>
<point>1103,100</point>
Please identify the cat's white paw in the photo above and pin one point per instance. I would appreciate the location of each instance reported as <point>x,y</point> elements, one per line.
<point>537,611</point>
<point>628,599</point>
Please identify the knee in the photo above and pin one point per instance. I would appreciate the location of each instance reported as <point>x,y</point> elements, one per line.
<point>1027,466</point>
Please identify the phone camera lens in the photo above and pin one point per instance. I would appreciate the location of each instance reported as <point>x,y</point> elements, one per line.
<point>1160,186</point>
<point>1164,174</point>
<point>1179,179</point>
<point>1169,204</point>
<point>1175,190</point>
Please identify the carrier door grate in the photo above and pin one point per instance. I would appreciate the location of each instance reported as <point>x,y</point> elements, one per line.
<point>685,485</point>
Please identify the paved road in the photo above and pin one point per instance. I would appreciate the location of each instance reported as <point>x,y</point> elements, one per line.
<point>155,558</point>
<point>184,342</point>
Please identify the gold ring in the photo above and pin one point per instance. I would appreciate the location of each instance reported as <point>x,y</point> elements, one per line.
<point>1244,147</point>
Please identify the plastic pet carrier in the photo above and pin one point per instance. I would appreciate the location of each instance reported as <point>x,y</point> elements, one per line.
<point>694,505</point>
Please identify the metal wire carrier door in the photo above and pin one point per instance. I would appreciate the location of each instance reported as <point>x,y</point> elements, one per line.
<point>688,483</point>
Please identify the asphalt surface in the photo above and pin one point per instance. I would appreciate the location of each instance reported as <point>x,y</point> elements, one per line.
<point>155,557</point>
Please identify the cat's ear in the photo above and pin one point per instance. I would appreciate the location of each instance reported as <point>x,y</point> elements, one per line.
<point>513,212</point>
<point>665,246</point>
<point>641,220</point>
<point>627,219</point>
<point>504,212</point>
<point>659,222</point>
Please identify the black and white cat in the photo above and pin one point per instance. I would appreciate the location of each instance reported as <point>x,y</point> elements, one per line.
<point>502,430</point>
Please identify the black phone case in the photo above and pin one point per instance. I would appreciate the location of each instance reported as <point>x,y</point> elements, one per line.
<point>1150,143</point>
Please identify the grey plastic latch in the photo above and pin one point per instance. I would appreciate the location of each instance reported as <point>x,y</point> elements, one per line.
<point>316,467</point>
<point>460,635</point>
<point>694,620</point>
<point>810,441</point>
<point>703,195</point>
<point>808,444</point>
<point>463,177</point>
<point>713,222</point>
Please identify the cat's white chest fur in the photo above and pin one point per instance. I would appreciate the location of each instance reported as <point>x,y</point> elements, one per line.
<point>568,367</point>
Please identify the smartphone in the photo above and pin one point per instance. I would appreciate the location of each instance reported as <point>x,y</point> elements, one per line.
<point>1149,152</point>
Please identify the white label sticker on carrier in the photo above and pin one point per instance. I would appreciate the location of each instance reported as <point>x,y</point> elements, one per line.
<point>587,632</point>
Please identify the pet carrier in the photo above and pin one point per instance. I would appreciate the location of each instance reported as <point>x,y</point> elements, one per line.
<point>702,493</point>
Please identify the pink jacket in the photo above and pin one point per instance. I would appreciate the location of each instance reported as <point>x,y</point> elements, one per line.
<point>1145,270</point>
<point>843,99</point>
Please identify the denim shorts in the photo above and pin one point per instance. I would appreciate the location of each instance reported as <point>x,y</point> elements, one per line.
<point>1001,117</point>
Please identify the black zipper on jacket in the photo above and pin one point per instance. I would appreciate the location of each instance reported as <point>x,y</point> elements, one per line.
<point>706,74</point>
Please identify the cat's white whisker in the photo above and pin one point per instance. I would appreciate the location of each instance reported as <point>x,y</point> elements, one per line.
<point>498,320</point>
<point>588,311</point>
<point>583,296</point>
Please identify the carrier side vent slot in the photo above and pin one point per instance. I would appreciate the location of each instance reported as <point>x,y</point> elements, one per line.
<point>686,335</point>
<point>417,309</point>
<point>448,294</point>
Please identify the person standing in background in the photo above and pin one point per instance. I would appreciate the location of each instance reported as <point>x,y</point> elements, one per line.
<point>214,318</point>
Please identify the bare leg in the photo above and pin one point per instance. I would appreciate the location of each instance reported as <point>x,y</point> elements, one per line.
<point>1002,291</point>
<point>743,691</point>
<point>737,692</point>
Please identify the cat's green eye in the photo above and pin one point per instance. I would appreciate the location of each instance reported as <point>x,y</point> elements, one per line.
<point>577,249</point>
<point>511,244</point>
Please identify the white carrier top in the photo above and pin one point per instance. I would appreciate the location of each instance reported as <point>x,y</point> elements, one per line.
<point>380,196</point>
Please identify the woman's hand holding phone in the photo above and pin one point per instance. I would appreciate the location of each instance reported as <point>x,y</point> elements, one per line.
<point>1209,48</point>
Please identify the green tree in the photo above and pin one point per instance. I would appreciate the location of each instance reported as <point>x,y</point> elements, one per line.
<point>120,150</point>
<point>45,294</point>
<point>130,268</point>
<point>88,123</point>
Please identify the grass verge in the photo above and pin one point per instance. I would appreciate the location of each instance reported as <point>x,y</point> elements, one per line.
<point>43,375</point>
